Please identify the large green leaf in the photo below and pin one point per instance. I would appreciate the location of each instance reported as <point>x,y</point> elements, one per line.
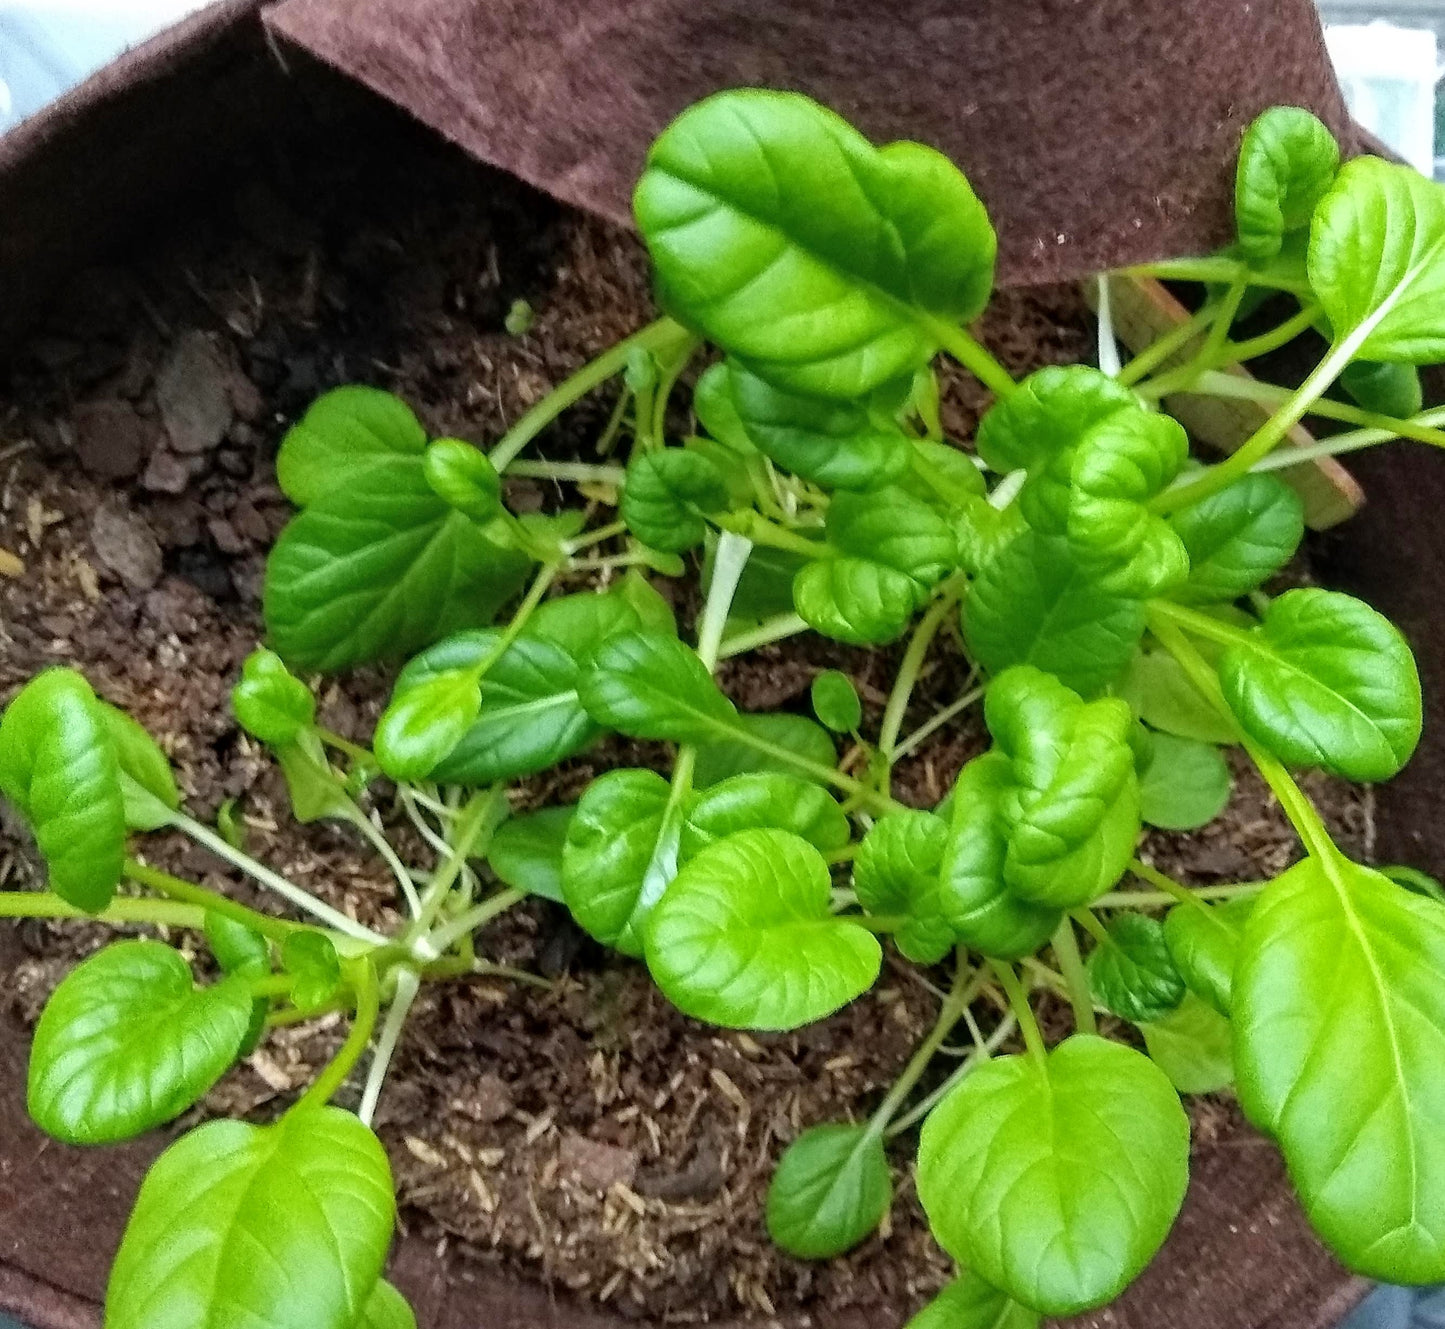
<point>236,1225</point>
<point>1056,1179</point>
<point>127,1041</point>
<point>775,735</point>
<point>344,434</point>
<point>1338,1008</point>
<point>1377,260</point>
<point>745,936</point>
<point>831,1189</point>
<point>1132,974</point>
<point>1287,160</point>
<point>526,851</point>
<point>668,495</point>
<point>1185,785</point>
<point>784,236</point>
<point>896,872</point>
<point>1238,538</point>
<point>59,766</point>
<point>1326,681</point>
<point>1204,942</point>
<point>1034,605</point>
<point>1191,1045</point>
<point>648,685</point>
<point>969,1303</point>
<point>761,800</point>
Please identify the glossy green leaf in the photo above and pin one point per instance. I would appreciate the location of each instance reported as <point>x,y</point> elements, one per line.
<point>424,722</point>
<point>1326,681</point>
<point>766,586</point>
<point>983,532</point>
<point>1133,974</point>
<point>775,735</point>
<point>386,1308</point>
<point>943,476</point>
<point>463,478</point>
<point>764,800</point>
<point>620,854</point>
<point>745,937</point>
<point>316,791</point>
<point>312,1192</point>
<point>1338,1008</point>
<point>1034,605</point>
<point>147,783</point>
<point>1159,693</point>
<point>831,1189</point>
<point>1056,1179</point>
<point>526,851</point>
<point>667,496</point>
<point>835,701</point>
<point>652,608</point>
<point>647,685</point>
<point>1238,538</point>
<point>59,766</point>
<point>238,950</point>
<point>855,600</point>
<point>831,443</point>
<point>969,1303</point>
<point>896,872</point>
<point>785,237</point>
<point>1287,160</point>
<point>1377,260</point>
<point>270,702</point>
<point>1389,389</point>
<point>343,435</point>
<point>311,959</point>
<point>1412,879</point>
<point>128,1041</point>
<point>1204,943</point>
<point>891,527</point>
<point>1191,1045</point>
<point>712,402</point>
<point>1044,419</point>
<point>1186,784</point>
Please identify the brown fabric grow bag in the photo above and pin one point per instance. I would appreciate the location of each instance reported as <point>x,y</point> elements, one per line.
<point>151,136</point>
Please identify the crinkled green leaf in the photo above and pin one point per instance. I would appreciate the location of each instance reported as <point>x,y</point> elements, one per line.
<point>835,701</point>
<point>1034,605</point>
<point>1204,943</point>
<point>59,766</point>
<point>745,936</point>
<point>1046,416</point>
<point>1056,1179</point>
<point>1159,693</point>
<point>647,685</point>
<point>763,800</point>
<point>270,702</point>
<point>1326,681</point>
<point>462,477</point>
<point>147,783</point>
<point>1377,260</point>
<point>128,1041</point>
<point>896,872</point>
<point>1238,538</point>
<point>943,476</point>
<point>343,435</point>
<point>1185,785</point>
<point>1287,160</point>
<point>855,600</point>
<point>983,532</point>
<point>1133,973</point>
<point>424,722</point>
<point>667,496</point>
<point>526,851</point>
<point>969,1303</point>
<point>284,1225</point>
<point>1389,389</point>
<point>893,528</point>
<point>795,734</point>
<point>785,237</point>
<point>712,402</point>
<point>1338,1008</point>
<point>1191,1045</point>
<point>831,1189</point>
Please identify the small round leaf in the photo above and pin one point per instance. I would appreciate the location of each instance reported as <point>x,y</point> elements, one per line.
<point>831,1189</point>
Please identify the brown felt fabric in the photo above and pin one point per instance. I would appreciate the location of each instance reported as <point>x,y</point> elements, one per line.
<point>1099,132</point>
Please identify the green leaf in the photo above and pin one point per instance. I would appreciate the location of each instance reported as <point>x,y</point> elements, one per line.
<point>1034,605</point>
<point>1043,419</point>
<point>463,479</point>
<point>1287,160</point>
<point>784,236</point>
<point>667,496</point>
<point>943,476</point>
<point>1186,784</point>
<point>312,1192</point>
<point>776,730</point>
<point>316,792</point>
<point>1191,1045</point>
<point>1377,260</point>
<point>652,608</point>
<point>147,783</point>
<point>893,528</point>
<point>831,1189</point>
<point>620,854</point>
<point>1389,389</point>
<point>1326,681</point>
<point>1238,538</point>
<point>343,435</point>
<point>238,950</point>
<point>897,872</point>
<point>526,851</point>
<point>1133,974</point>
<point>744,936</point>
<point>127,1041</point>
<point>270,702</point>
<point>386,1308</point>
<point>835,444</point>
<point>764,800</point>
<point>1160,693</point>
<point>1412,879</point>
<point>835,701</point>
<point>59,766</point>
<point>424,722</point>
<point>712,402</point>
<point>1338,1008</point>
<point>1056,1179</point>
<point>983,532</point>
<point>1204,943</point>
<point>855,600</point>
<point>979,907</point>
<point>969,1303</point>
<point>646,685</point>
<point>311,959</point>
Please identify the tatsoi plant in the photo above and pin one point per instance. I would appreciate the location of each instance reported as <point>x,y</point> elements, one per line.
<point>1099,592</point>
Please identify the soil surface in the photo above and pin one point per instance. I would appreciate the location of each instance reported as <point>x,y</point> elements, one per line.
<point>587,1134</point>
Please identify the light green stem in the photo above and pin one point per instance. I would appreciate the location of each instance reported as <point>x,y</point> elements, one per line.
<point>1066,948</point>
<point>176,888</point>
<point>408,983</point>
<point>1182,379</point>
<point>935,723</point>
<point>447,934</point>
<point>122,909</point>
<point>729,563</point>
<point>1159,350</point>
<point>579,472</point>
<point>1153,899</point>
<point>368,1004</point>
<point>768,631</point>
<point>971,354</point>
<point>483,811</point>
<point>908,670</point>
<point>1018,1001</point>
<point>382,845</point>
<point>985,1049</point>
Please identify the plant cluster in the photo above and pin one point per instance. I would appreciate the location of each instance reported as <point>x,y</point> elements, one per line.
<point>1101,594</point>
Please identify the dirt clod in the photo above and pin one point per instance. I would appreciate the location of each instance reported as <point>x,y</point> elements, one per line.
<point>193,394</point>
<point>126,545</point>
<point>112,442</point>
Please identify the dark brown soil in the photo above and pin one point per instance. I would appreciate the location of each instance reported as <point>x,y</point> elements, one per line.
<point>588,1134</point>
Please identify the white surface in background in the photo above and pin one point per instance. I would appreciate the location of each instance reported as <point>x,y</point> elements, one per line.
<point>1388,75</point>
